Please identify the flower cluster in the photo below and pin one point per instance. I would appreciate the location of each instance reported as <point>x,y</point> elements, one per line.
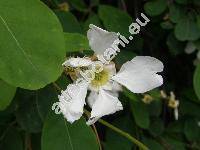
<point>139,75</point>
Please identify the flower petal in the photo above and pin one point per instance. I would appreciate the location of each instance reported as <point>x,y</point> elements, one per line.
<point>100,39</point>
<point>111,68</point>
<point>104,105</point>
<point>77,62</point>
<point>92,98</point>
<point>139,74</point>
<point>72,101</point>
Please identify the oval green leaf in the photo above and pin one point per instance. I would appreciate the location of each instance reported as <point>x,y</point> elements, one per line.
<point>115,19</point>
<point>155,7</point>
<point>187,29</point>
<point>32,44</point>
<point>69,22</point>
<point>76,42</point>
<point>58,134</point>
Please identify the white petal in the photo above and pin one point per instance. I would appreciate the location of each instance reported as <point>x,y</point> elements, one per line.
<point>100,40</point>
<point>72,101</point>
<point>77,62</point>
<point>92,98</point>
<point>111,69</point>
<point>144,63</point>
<point>116,87</point>
<point>139,74</point>
<point>104,105</point>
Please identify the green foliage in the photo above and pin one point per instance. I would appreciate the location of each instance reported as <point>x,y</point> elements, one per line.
<point>30,43</point>
<point>77,4</point>
<point>152,144</point>
<point>116,23</point>
<point>176,13</point>
<point>187,29</point>
<point>155,7</point>
<point>69,22</point>
<point>196,81</point>
<point>191,130</point>
<point>76,42</point>
<point>35,39</point>
<point>6,95</point>
<point>60,134</point>
<point>175,47</point>
<point>139,110</point>
<point>112,138</point>
<point>12,140</point>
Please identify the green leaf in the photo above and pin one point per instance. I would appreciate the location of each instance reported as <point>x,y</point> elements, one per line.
<point>112,138</point>
<point>69,22</point>
<point>152,144</point>
<point>138,109</point>
<point>189,95</point>
<point>189,108</point>
<point>12,140</point>
<point>32,44</point>
<point>174,144</point>
<point>187,29</point>
<point>7,93</point>
<point>27,114</point>
<point>155,7</point>
<point>44,99</point>
<point>58,134</point>
<point>76,42</point>
<point>191,129</point>
<point>156,127</point>
<point>198,21</point>
<point>176,12</point>
<point>92,19</point>
<point>140,113</point>
<point>78,4</point>
<point>124,56</point>
<point>197,44</point>
<point>155,107</point>
<point>196,81</point>
<point>33,107</point>
<point>181,1</point>
<point>175,127</point>
<point>115,20</point>
<point>175,47</point>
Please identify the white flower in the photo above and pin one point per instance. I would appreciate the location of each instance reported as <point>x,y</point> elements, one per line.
<point>138,75</point>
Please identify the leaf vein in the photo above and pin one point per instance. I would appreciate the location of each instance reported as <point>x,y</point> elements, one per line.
<point>70,140</point>
<point>17,42</point>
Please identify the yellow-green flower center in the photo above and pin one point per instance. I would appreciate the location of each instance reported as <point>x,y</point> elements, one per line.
<point>100,79</point>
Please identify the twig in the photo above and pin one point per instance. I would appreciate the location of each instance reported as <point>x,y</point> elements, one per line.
<point>125,134</point>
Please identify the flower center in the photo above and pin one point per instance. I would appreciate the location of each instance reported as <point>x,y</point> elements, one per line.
<point>100,79</point>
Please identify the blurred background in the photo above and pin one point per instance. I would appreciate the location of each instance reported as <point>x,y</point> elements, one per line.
<point>167,118</point>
